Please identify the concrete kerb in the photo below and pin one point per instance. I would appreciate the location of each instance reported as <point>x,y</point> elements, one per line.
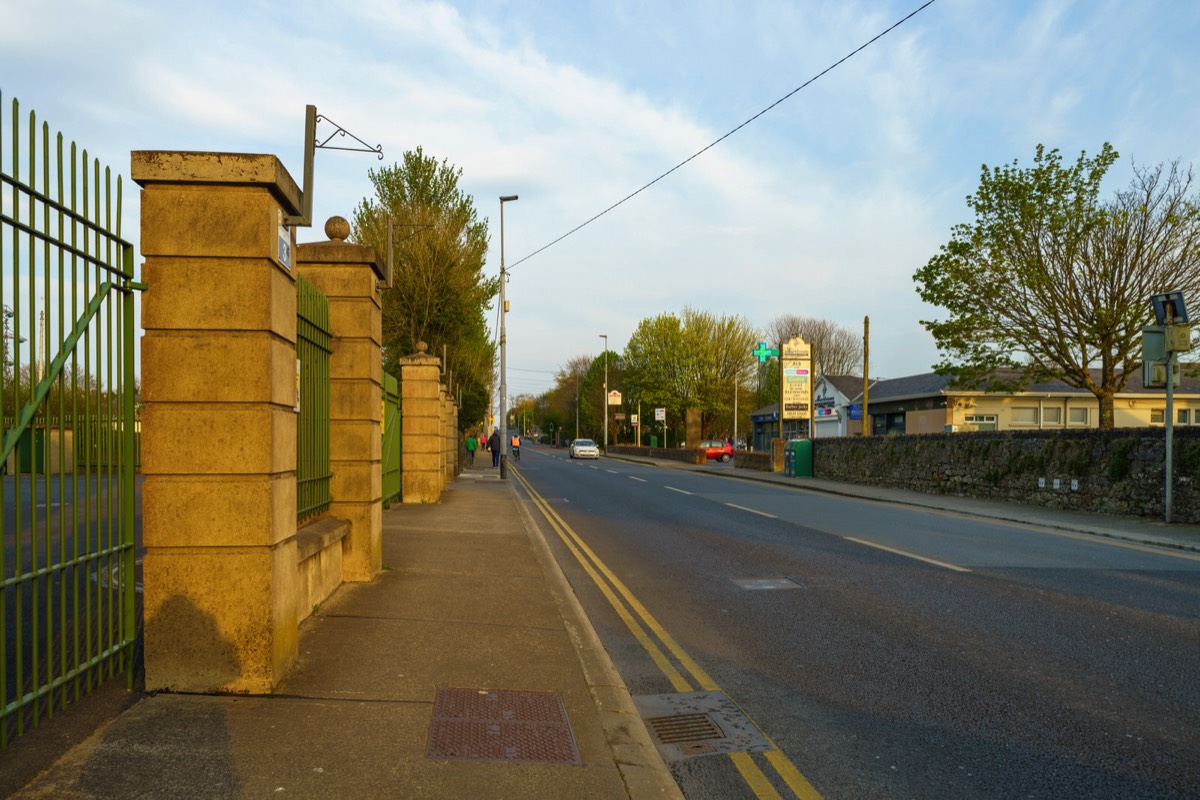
<point>1179,537</point>
<point>641,766</point>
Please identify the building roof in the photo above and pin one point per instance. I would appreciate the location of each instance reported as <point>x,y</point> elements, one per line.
<point>850,386</point>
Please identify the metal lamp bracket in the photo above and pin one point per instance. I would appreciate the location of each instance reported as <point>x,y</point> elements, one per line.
<point>311,145</point>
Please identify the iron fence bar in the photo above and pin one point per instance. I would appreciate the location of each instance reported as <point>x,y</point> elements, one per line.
<point>71,635</point>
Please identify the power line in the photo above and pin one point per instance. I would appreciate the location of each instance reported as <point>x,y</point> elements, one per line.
<point>705,149</point>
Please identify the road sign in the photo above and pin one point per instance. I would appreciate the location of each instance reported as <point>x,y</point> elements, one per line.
<point>633,420</point>
<point>660,415</point>
<point>614,398</point>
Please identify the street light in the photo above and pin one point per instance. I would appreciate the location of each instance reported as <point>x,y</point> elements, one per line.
<point>504,198</point>
<point>604,336</point>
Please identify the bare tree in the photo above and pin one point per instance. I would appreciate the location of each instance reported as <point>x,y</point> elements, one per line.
<point>836,350</point>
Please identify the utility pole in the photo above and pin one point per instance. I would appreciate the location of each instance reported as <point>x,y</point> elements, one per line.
<point>503,342</point>
<point>604,336</point>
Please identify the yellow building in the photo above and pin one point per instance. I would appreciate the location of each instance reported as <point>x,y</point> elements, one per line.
<point>927,404</point>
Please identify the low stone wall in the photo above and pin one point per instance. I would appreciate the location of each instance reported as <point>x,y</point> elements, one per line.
<point>670,453</point>
<point>1118,471</point>
<point>753,460</point>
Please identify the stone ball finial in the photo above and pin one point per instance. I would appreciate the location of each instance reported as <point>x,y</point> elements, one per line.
<point>422,348</point>
<point>337,229</point>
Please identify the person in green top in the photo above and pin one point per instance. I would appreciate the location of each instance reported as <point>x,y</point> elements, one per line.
<point>472,444</point>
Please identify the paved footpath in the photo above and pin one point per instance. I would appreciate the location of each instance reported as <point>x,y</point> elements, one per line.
<point>470,616</point>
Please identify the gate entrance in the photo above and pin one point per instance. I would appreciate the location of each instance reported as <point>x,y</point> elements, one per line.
<point>67,391</point>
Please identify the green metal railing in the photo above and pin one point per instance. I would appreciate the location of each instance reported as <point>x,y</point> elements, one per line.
<point>313,347</point>
<point>391,439</point>
<point>67,565</point>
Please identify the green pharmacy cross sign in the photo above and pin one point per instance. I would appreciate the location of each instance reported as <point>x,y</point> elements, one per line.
<point>762,352</point>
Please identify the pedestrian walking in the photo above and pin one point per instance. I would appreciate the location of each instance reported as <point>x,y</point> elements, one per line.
<point>495,446</point>
<point>471,444</point>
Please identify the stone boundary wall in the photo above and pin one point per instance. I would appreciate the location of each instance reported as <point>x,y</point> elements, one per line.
<point>1118,471</point>
<point>670,453</point>
<point>745,459</point>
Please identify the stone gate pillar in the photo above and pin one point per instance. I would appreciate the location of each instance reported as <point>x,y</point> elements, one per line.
<point>348,274</point>
<point>219,430</point>
<point>421,449</point>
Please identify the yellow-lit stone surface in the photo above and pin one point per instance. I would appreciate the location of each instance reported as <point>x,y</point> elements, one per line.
<point>218,510</point>
<point>218,430</point>
<point>150,168</point>
<point>361,479</point>
<point>421,477</point>
<point>224,366</point>
<point>356,358</point>
<point>355,439</point>
<point>348,398</point>
<point>210,221</point>
<point>362,556</point>
<point>359,319</point>
<point>348,275</point>
<point>224,294</point>
<point>209,438</point>
<point>193,641</point>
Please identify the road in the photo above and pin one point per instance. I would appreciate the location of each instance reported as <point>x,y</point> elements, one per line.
<point>912,654</point>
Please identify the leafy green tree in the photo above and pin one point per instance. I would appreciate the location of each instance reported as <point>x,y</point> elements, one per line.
<point>439,294</point>
<point>692,361</point>
<point>1049,282</point>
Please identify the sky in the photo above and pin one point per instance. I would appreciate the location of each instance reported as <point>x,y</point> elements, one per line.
<point>824,206</point>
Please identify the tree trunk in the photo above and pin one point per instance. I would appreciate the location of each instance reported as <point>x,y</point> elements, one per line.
<point>1106,409</point>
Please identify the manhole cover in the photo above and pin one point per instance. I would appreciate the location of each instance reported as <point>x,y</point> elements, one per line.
<point>779,582</point>
<point>501,725</point>
<point>697,724</point>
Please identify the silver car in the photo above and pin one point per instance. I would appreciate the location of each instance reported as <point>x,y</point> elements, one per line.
<point>584,448</point>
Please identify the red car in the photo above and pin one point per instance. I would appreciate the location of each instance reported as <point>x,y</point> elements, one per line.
<point>718,449</point>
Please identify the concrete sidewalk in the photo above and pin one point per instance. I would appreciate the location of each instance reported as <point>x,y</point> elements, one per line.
<point>470,599</point>
<point>1141,530</point>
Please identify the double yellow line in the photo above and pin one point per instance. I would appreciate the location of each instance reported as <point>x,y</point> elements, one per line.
<point>646,629</point>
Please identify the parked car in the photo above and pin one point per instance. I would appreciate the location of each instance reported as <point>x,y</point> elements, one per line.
<point>584,448</point>
<point>718,449</point>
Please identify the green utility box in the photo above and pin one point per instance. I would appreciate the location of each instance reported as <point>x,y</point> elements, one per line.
<point>799,458</point>
<point>654,441</point>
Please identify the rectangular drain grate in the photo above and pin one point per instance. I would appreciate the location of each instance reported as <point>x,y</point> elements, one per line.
<point>698,723</point>
<point>685,728</point>
<point>501,725</point>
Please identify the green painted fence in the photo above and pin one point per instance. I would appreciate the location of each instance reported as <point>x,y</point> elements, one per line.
<point>391,429</point>
<point>67,568</point>
<point>313,348</point>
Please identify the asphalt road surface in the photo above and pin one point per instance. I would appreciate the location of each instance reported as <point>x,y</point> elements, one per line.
<point>884,651</point>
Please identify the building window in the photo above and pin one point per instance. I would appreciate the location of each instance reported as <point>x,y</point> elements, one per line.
<point>1077,416</point>
<point>982,422</point>
<point>1024,415</point>
<point>1156,416</point>
<point>1052,415</point>
<point>1181,416</point>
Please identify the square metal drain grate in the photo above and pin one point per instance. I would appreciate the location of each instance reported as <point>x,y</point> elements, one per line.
<point>698,724</point>
<point>501,725</point>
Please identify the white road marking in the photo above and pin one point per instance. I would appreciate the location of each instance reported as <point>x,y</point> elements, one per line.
<point>906,554</point>
<point>673,489</point>
<point>751,510</point>
<point>636,478</point>
<point>612,472</point>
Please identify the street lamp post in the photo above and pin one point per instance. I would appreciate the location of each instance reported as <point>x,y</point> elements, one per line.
<point>604,336</point>
<point>504,198</point>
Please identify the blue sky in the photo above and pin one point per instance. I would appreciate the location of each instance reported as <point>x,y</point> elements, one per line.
<point>823,207</point>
